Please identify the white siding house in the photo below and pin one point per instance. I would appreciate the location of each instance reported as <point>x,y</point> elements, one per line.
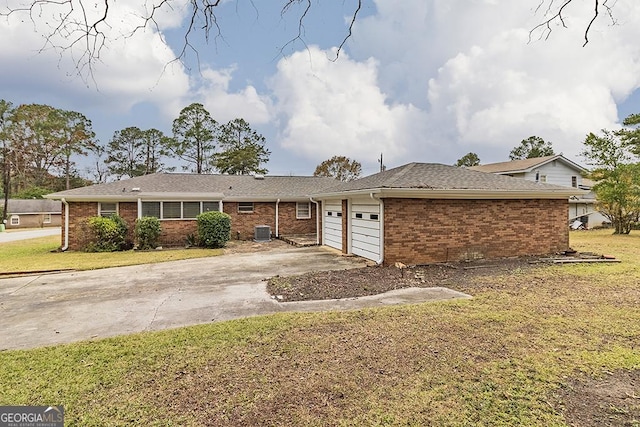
<point>557,170</point>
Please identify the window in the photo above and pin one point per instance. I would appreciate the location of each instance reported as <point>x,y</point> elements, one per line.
<point>178,210</point>
<point>151,209</point>
<point>245,207</point>
<point>543,178</point>
<point>46,219</point>
<point>303,210</point>
<point>329,213</point>
<point>15,220</point>
<point>107,209</point>
<point>374,217</point>
<point>210,206</point>
<point>190,210</point>
<point>359,215</point>
<point>574,181</point>
<point>171,210</point>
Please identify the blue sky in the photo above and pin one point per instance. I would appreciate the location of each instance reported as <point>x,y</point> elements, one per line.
<point>420,80</point>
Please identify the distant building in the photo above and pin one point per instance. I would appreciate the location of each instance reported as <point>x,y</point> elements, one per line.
<point>33,213</point>
<point>557,170</point>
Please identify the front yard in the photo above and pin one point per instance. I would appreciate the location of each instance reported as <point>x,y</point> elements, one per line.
<point>547,346</point>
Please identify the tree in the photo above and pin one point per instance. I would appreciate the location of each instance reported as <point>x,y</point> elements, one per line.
<point>155,148</point>
<point>75,137</point>
<point>468,160</point>
<point>6,110</point>
<point>135,152</point>
<point>242,149</point>
<point>126,153</point>
<point>339,167</point>
<point>530,148</point>
<point>195,134</point>
<point>616,175</point>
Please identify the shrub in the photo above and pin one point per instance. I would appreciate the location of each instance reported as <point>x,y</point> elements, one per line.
<point>107,234</point>
<point>147,232</point>
<point>214,229</point>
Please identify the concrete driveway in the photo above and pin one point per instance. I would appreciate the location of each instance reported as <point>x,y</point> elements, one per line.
<point>14,235</point>
<point>61,308</point>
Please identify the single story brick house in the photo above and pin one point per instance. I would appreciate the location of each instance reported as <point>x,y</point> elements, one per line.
<point>423,213</point>
<point>415,214</point>
<point>32,213</point>
<point>281,203</point>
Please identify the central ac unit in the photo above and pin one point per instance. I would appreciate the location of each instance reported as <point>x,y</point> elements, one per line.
<point>262,233</point>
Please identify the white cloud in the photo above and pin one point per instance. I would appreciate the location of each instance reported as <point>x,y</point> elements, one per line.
<point>224,104</point>
<point>469,64</point>
<point>336,108</point>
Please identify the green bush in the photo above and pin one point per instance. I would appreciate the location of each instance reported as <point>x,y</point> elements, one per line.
<point>147,232</point>
<point>107,234</point>
<point>214,229</point>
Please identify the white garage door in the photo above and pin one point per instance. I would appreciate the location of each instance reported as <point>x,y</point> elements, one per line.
<point>365,229</point>
<point>332,224</point>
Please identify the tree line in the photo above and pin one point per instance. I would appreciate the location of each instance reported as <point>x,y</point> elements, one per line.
<point>40,146</point>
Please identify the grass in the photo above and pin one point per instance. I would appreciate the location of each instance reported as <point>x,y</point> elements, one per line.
<point>39,254</point>
<point>495,360</point>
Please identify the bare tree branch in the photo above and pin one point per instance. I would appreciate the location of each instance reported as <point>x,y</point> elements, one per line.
<point>81,29</point>
<point>557,14</point>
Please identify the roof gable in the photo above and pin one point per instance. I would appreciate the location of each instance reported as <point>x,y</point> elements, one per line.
<point>525,165</point>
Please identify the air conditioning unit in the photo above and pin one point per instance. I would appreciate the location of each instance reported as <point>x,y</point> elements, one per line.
<point>262,233</point>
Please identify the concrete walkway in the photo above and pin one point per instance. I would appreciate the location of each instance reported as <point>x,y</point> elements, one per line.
<point>67,307</point>
<point>15,235</point>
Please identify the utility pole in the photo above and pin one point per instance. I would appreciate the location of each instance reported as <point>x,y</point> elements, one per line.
<point>382,166</point>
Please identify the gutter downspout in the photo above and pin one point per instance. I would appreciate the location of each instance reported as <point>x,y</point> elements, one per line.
<point>317,220</point>
<point>139,208</point>
<point>381,240</point>
<point>66,225</point>
<point>277,217</point>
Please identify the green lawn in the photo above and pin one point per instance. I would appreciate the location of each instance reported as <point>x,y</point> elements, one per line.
<point>495,360</point>
<point>40,254</point>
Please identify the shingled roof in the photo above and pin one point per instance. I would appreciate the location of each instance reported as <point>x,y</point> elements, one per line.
<point>438,178</point>
<point>227,187</point>
<point>32,206</point>
<point>524,165</point>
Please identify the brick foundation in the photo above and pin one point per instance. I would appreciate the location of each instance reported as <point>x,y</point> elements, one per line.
<point>421,231</point>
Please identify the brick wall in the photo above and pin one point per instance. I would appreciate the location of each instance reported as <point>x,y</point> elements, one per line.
<point>420,231</point>
<point>174,232</point>
<point>264,213</point>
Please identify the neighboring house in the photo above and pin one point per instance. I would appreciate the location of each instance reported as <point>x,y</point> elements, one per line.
<point>281,203</point>
<point>557,170</point>
<point>423,213</point>
<point>32,213</point>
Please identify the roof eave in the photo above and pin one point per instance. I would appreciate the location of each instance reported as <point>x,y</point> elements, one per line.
<point>424,193</point>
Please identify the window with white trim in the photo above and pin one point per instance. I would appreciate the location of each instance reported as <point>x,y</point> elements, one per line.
<point>107,209</point>
<point>245,207</point>
<point>574,181</point>
<point>46,218</point>
<point>15,220</point>
<point>303,210</point>
<point>178,210</point>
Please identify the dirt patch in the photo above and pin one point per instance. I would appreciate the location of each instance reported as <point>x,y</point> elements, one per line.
<point>613,400</point>
<point>376,279</point>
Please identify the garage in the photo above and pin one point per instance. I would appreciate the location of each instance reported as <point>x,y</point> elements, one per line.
<point>332,224</point>
<point>365,228</point>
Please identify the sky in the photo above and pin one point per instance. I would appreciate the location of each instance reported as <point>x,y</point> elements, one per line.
<point>418,80</point>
